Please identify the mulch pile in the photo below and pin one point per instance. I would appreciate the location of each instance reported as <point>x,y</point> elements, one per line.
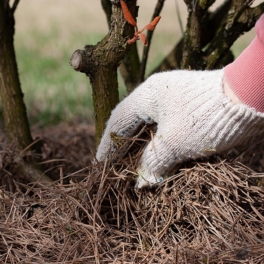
<point>206,212</point>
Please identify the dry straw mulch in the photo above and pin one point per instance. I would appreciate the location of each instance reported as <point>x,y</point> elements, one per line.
<point>207,213</point>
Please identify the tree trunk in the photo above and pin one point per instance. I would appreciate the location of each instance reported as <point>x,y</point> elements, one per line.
<point>104,98</point>
<point>130,65</point>
<point>131,68</point>
<point>241,18</point>
<point>194,35</point>
<point>100,63</point>
<point>216,41</point>
<point>14,111</point>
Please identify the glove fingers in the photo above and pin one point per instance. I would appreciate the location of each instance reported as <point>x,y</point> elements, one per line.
<point>124,122</point>
<point>156,160</point>
<point>139,107</point>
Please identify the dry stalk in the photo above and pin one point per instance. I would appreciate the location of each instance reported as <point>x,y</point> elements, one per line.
<point>204,213</point>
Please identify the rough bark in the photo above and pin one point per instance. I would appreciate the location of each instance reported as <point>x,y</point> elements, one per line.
<point>142,70</point>
<point>241,18</point>
<point>100,62</point>
<point>130,65</point>
<point>129,68</point>
<point>215,44</point>
<point>107,7</point>
<point>194,34</point>
<point>174,58</point>
<point>14,111</point>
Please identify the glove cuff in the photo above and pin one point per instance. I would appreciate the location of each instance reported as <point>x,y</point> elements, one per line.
<point>245,75</point>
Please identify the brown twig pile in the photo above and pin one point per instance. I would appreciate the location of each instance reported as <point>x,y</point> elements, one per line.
<point>208,213</point>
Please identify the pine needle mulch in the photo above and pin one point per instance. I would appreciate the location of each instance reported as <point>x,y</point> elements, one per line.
<point>209,212</point>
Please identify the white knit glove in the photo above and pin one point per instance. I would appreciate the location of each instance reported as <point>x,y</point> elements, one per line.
<point>194,119</point>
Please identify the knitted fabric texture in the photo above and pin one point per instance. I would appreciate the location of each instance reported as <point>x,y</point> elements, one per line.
<point>194,119</point>
<point>245,75</point>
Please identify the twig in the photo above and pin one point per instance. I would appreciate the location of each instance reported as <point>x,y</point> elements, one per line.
<point>179,17</point>
<point>231,30</point>
<point>14,7</point>
<point>142,70</point>
<point>29,146</point>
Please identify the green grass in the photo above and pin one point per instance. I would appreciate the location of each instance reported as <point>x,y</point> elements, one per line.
<point>53,91</point>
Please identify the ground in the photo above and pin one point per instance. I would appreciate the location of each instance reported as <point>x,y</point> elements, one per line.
<point>207,212</point>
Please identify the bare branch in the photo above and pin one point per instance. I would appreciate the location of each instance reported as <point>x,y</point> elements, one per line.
<point>130,65</point>
<point>258,11</point>
<point>129,68</point>
<point>195,33</point>
<point>142,69</point>
<point>215,20</point>
<point>100,62</point>
<point>179,17</point>
<point>241,20</point>
<point>6,3</point>
<point>14,7</point>
<point>107,7</point>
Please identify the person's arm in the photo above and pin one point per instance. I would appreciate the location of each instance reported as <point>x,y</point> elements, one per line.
<point>198,113</point>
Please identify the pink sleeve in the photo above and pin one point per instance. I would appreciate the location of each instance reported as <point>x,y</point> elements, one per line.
<point>245,75</point>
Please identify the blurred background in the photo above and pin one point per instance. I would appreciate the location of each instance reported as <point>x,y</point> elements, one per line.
<point>48,32</point>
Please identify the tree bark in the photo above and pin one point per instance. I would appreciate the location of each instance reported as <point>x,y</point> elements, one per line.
<point>107,6</point>
<point>129,68</point>
<point>174,59</point>
<point>241,18</point>
<point>100,63</point>
<point>14,111</point>
<point>215,43</point>
<point>194,34</point>
<point>143,65</point>
<point>130,65</point>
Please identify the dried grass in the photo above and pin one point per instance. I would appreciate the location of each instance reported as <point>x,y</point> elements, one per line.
<point>209,212</point>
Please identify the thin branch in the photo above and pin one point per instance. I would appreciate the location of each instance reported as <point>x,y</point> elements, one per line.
<point>6,4</point>
<point>14,7</point>
<point>237,8</point>
<point>192,37</point>
<point>195,34</point>
<point>129,68</point>
<point>215,20</point>
<point>130,65</point>
<point>142,69</point>
<point>178,12</point>
<point>107,7</point>
<point>258,11</point>
<point>229,32</point>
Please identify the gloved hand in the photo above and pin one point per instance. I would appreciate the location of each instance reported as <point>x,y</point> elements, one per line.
<point>195,116</point>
